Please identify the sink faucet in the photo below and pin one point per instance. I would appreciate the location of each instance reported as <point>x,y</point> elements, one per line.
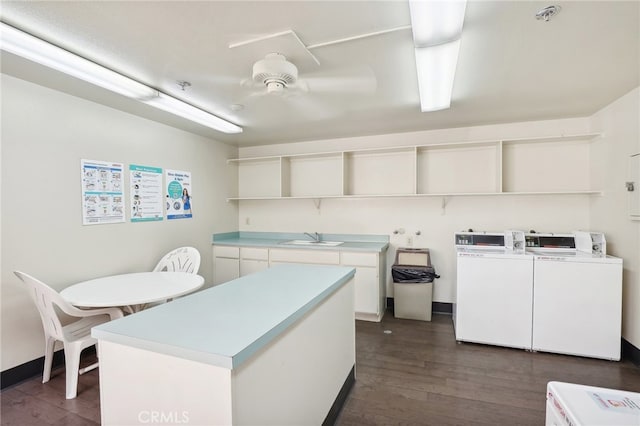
<point>315,236</point>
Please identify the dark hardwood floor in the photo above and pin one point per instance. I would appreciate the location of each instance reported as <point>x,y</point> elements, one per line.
<point>417,374</point>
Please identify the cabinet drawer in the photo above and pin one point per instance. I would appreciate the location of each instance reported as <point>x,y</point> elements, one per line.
<point>254,253</point>
<point>305,256</point>
<point>359,259</point>
<point>230,252</point>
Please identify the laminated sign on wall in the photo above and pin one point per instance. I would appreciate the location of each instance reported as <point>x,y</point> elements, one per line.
<point>102,192</point>
<point>146,193</point>
<point>178,194</point>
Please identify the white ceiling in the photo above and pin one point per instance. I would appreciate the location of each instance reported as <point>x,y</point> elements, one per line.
<point>511,67</point>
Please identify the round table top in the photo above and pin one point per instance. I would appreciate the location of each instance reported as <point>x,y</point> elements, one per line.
<point>137,288</point>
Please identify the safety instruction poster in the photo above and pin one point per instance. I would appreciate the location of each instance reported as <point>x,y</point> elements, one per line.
<point>178,194</point>
<point>146,193</point>
<point>102,192</point>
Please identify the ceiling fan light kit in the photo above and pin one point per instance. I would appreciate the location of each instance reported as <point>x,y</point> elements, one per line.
<point>436,28</point>
<point>37,50</point>
<point>275,72</point>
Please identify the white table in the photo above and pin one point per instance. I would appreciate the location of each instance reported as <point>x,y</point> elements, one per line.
<point>131,291</point>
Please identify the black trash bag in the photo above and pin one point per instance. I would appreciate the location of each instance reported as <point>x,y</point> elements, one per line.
<point>424,274</point>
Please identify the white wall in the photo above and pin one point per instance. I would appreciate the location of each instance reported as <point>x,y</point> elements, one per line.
<point>620,124</point>
<point>45,133</point>
<point>544,213</point>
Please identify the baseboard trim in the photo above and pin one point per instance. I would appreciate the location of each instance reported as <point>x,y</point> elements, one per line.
<point>436,307</point>
<point>630,352</point>
<point>334,411</point>
<point>28,370</point>
<point>34,368</point>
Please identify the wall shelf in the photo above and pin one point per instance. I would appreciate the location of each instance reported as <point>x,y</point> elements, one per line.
<point>515,166</point>
<point>456,194</point>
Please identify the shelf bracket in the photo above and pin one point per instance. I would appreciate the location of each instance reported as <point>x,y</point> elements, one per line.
<point>317,202</point>
<point>443,205</point>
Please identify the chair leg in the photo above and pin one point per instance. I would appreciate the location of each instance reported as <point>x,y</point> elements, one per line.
<point>72,365</point>
<point>48,358</point>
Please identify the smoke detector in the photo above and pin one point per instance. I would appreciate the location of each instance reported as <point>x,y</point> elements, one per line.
<point>275,72</point>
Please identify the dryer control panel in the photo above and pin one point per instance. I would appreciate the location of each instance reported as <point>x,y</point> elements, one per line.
<point>550,241</point>
<point>486,239</point>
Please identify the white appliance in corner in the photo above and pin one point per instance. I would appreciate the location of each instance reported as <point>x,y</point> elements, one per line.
<point>494,289</point>
<point>579,405</point>
<point>577,299</point>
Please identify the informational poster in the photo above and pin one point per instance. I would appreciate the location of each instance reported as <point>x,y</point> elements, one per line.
<point>618,402</point>
<point>146,193</point>
<point>102,192</point>
<point>178,194</point>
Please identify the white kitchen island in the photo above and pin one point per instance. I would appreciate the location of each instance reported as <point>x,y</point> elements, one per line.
<point>272,348</point>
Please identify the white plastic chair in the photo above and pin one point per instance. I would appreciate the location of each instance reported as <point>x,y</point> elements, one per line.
<point>75,336</point>
<point>183,259</point>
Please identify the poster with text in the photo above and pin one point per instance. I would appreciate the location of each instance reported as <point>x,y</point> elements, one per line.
<point>102,192</point>
<point>146,193</point>
<point>178,194</point>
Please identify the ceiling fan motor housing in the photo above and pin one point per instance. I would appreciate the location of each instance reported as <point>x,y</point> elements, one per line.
<point>275,72</point>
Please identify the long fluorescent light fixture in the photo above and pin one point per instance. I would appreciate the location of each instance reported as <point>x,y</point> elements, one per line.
<point>436,27</point>
<point>37,50</point>
<point>177,107</point>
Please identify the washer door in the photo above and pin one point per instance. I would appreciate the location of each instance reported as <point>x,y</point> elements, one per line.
<point>494,300</point>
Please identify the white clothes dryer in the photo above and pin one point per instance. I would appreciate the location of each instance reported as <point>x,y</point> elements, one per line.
<point>577,298</point>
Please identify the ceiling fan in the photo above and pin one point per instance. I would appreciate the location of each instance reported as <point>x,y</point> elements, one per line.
<point>275,75</point>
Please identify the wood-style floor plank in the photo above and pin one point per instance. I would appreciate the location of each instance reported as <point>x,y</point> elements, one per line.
<point>416,375</point>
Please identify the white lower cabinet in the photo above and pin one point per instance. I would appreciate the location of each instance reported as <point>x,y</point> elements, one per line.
<point>369,285</point>
<point>366,291</point>
<point>233,262</point>
<point>226,264</point>
<point>253,260</point>
<point>304,256</point>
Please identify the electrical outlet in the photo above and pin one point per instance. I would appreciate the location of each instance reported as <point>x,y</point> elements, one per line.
<point>247,221</point>
<point>409,241</point>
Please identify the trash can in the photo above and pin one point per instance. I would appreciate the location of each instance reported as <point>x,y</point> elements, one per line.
<point>413,277</point>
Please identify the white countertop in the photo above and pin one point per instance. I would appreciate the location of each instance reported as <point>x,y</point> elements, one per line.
<point>226,324</point>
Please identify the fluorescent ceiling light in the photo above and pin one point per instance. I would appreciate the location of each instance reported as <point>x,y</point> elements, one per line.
<point>436,21</point>
<point>177,107</point>
<point>34,49</point>
<point>436,68</point>
<point>436,27</point>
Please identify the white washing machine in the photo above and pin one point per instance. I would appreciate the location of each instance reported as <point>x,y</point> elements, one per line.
<point>494,291</point>
<point>577,298</point>
<point>579,405</point>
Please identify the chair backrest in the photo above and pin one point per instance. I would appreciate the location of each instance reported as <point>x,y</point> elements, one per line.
<point>183,259</point>
<point>45,299</point>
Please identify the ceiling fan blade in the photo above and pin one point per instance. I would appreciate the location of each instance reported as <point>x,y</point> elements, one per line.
<point>312,108</point>
<point>359,80</point>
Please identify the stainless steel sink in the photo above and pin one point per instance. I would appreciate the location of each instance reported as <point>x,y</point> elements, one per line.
<point>312,243</point>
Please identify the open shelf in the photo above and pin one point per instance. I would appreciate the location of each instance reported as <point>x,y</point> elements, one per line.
<point>545,165</point>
